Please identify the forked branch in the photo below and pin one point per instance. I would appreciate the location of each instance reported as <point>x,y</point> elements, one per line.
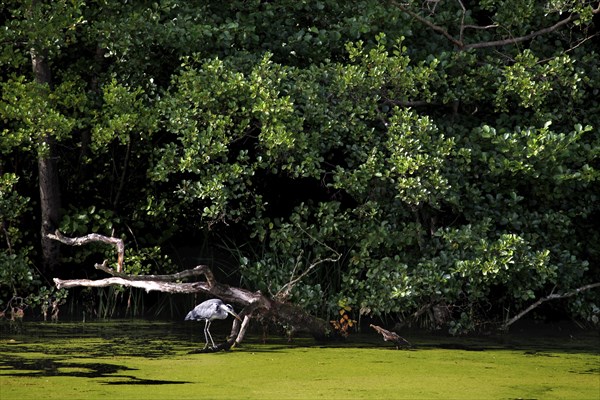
<point>165,283</point>
<point>551,296</point>
<point>285,291</point>
<point>93,237</point>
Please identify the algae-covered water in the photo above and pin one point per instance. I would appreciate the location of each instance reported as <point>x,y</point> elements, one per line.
<point>152,360</point>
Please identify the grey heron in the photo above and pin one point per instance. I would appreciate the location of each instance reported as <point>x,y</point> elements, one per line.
<point>208,311</point>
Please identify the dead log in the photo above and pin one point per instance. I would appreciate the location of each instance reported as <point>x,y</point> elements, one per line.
<point>390,336</point>
<point>254,303</point>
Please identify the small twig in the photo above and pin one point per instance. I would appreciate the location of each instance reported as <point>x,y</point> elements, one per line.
<point>480,27</point>
<point>284,292</point>
<point>123,173</point>
<point>297,264</point>
<point>430,24</point>
<point>7,236</point>
<point>462,21</point>
<point>582,41</point>
<point>421,311</point>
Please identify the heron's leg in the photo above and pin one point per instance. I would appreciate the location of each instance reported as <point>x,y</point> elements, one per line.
<point>206,332</point>
<point>209,335</point>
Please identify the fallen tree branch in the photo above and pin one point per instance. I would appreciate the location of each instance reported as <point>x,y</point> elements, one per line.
<point>169,284</point>
<point>253,302</point>
<point>188,273</point>
<point>552,296</point>
<point>148,286</point>
<point>93,237</point>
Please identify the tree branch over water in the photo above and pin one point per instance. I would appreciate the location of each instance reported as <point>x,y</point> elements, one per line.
<point>92,237</point>
<point>551,296</point>
<point>253,302</point>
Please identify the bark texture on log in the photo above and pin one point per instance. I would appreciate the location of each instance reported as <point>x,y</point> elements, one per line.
<point>48,179</point>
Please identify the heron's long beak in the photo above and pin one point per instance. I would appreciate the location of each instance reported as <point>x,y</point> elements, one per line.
<point>235,315</point>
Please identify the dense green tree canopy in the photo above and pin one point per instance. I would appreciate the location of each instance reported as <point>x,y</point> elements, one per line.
<point>448,151</point>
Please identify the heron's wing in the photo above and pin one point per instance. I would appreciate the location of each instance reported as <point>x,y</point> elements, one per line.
<point>197,313</point>
<point>205,310</point>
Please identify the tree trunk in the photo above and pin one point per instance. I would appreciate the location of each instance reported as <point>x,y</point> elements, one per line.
<point>50,202</point>
<point>50,206</point>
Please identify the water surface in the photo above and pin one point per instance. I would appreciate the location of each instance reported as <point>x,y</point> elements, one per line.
<point>156,360</point>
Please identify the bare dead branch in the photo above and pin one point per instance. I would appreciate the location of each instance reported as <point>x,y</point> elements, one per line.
<point>119,244</point>
<point>285,291</point>
<point>148,286</point>
<point>480,27</point>
<point>168,284</point>
<point>188,273</point>
<point>552,296</point>
<point>7,236</point>
<point>93,237</point>
<point>253,302</point>
<point>462,22</point>
<point>430,24</point>
<point>514,40</point>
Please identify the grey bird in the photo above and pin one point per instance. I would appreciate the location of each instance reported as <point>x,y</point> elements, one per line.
<point>208,311</point>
